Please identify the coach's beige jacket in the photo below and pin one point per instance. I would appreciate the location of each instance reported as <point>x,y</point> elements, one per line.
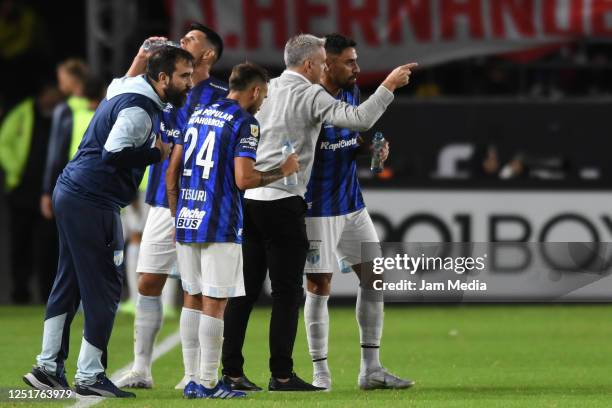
<point>295,110</point>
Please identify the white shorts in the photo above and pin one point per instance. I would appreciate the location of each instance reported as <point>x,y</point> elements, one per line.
<point>157,249</point>
<point>335,242</point>
<point>213,269</point>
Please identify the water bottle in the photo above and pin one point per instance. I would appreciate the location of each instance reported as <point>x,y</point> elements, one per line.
<point>153,45</point>
<point>378,142</point>
<point>288,149</point>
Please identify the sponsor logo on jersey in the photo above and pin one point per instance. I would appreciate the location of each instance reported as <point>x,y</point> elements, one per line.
<point>189,218</point>
<point>325,145</point>
<point>169,132</point>
<point>251,141</point>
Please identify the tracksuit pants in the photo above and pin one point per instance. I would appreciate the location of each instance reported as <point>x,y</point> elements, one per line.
<point>274,240</point>
<point>91,253</point>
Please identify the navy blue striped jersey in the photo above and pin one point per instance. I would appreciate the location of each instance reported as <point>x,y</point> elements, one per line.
<point>172,124</point>
<point>209,207</point>
<point>333,188</point>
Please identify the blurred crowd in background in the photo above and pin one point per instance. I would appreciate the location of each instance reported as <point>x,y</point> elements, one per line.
<point>49,93</point>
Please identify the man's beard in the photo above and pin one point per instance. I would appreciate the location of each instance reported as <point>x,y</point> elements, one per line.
<point>175,97</point>
<point>349,84</point>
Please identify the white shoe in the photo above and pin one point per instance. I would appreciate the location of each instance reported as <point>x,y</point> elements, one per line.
<point>134,379</point>
<point>182,384</point>
<point>322,379</point>
<point>382,379</point>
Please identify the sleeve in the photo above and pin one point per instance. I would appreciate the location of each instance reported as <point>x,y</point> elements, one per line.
<point>59,146</point>
<point>9,132</point>
<point>131,129</point>
<point>125,144</point>
<point>344,115</point>
<point>180,122</point>
<point>248,139</point>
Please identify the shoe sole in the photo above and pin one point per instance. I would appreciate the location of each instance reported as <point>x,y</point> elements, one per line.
<point>33,382</point>
<point>322,390</point>
<point>383,387</point>
<point>326,389</point>
<point>135,385</point>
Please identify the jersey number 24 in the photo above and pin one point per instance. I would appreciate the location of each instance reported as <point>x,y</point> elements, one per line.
<point>206,149</point>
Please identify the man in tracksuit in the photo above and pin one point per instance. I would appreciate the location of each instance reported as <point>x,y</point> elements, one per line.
<point>103,177</point>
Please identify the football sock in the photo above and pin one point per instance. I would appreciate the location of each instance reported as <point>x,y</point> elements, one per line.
<point>147,323</point>
<point>188,327</point>
<point>370,313</point>
<point>169,293</point>
<point>131,260</point>
<point>211,341</point>
<point>316,318</point>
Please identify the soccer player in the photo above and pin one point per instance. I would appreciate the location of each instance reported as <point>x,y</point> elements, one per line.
<point>274,230</point>
<point>157,257</point>
<point>218,157</point>
<point>337,222</point>
<point>102,178</point>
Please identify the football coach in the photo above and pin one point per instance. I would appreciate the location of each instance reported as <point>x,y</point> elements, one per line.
<point>274,228</point>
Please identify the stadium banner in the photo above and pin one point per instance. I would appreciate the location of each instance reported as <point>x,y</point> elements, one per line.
<point>506,216</point>
<point>490,216</point>
<point>393,32</point>
<point>488,272</point>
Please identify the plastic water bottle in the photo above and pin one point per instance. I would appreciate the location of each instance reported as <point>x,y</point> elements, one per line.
<point>288,149</point>
<point>152,45</point>
<point>378,142</point>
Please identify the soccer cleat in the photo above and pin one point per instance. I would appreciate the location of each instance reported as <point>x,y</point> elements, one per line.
<point>322,380</point>
<point>222,391</point>
<point>134,379</point>
<point>242,383</point>
<point>193,390</point>
<point>382,379</point>
<point>295,383</point>
<point>103,387</point>
<point>41,379</point>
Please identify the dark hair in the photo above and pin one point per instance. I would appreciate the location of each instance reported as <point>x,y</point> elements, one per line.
<point>336,43</point>
<point>95,88</point>
<point>212,36</point>
<point>164,60</point>
<point>243,75</point>
<point>76,68</point>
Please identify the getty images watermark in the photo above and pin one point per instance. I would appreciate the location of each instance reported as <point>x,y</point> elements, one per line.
<point>489,272</point>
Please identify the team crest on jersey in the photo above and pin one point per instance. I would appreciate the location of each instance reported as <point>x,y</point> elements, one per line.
<point>118,258</point>
<point>313,256</point>
<point>344,267</point>
<point>255,130</point>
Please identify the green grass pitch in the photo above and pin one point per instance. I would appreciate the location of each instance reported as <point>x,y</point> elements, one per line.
<point>471,356</point>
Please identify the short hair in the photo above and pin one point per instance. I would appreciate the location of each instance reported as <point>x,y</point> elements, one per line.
<point>165,59</point>
<point>245,74</point>
<point>75,67</point>
<point>298,48</point>
<point>336,43</point>
<point>95,88</point>
<point>212,36</point>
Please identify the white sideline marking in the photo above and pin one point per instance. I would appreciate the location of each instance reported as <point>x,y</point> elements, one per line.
<point>159,350</point>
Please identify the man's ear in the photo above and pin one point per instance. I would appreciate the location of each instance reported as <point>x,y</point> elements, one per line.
<point>256,92</point>
<point>163,78</point>
<point>210,55</point>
